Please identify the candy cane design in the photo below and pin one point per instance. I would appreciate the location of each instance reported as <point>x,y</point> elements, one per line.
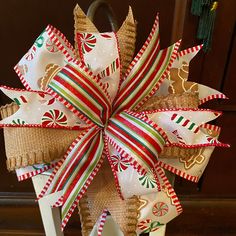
<point>212,140</point>
<point>45,101</point>
<point>31,53</point>
<point>149,226</point>
<point>120,164</point>
<point>148,181</point>
<point>110,69</point>
<point>87,41</point>
<point>184,122</point>
<point>54,117</point>
<point>160,209</point>
<point>51,47</point>
<point>175,132</point>
<point>20,100</point>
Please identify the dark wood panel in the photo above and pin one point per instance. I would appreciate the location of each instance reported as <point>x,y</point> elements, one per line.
<point>220,173</point>
<point>216,60</point>
<point>205,218</point>
<point>229,85</point>
<point>201,218</point>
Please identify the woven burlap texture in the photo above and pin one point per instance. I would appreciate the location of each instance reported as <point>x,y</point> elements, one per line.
<point>29,146</point>
<point>102,194</point>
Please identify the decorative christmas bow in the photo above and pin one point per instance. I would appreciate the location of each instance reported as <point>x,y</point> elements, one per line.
<point>103,106</point>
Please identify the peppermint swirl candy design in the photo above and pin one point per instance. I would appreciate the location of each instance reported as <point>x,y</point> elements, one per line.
<point>51,47</point>
<point>88,42</point>
<point>54,117</point>
<point>148,180</point>
<point>120,164</point>
<point>148,225</point>
<point>160,209</point>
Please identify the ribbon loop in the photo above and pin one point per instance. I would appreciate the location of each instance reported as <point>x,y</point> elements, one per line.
<point>137,138</point>
<point>76,87</point>
<point>146,73</point>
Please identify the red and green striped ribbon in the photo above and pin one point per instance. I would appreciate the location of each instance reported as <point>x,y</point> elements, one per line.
<point>148,69</point>
<point>78,89</point>
<point>75,172</point>
<point>137,137</point>
<point>88,157</point>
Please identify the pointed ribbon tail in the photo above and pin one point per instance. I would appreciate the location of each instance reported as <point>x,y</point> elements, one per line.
<point>206,94</point>
<point>136,138</point>
<point>183,126</point>
<point>80,91</point>
<point>187,129</point>
<point>75,171</point>
<point>146,72</point>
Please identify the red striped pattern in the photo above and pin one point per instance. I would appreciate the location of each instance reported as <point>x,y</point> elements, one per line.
<point>179,109</point>
<point>138,138</point>
<point>176,171</point>
<point>215,144</point>
<point>55,184</point>
<point>175,48</point>
<point>22,78</point>
<point>214,96</point>
<point>59,163</point>
<point>211,127</point>
<point>144,47</point>
<point>109,70</point>
<point>190,50</point>
<point>102,221</point>
<point>36,172</point>
<point>75,158</point>
<point>142,84</point>
<point>61,42</point>
<point>91,100</point>
<point>150,68</point>
<point>170,189</point>
<point>153,41</point>
<point>82,192</point>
